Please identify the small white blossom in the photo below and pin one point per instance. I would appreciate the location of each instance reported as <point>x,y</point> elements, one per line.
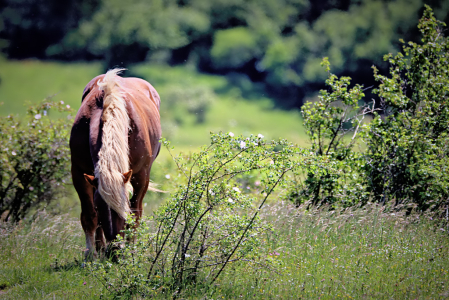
<point>230,200</point>
<point>31,188</point>
<point>145,204</point>
<point>211,192</point>
<point>38,116</point>
<point>62,102</point>
<point>242,144</point>
<point>187,255</point>
<point>236,189</point>
<point>13,152</point>
<point>272,162</point>
<point>167,176</point>
<point>231,134</point>
<point>45,112</point>
<point>255,144</point>
<point>260,136</point>
<point>257,183</point>
<point>68,106</point>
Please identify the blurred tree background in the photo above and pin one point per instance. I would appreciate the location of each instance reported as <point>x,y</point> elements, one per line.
<point>273,46</point>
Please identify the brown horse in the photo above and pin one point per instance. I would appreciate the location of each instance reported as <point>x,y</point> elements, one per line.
<point>113,143</point>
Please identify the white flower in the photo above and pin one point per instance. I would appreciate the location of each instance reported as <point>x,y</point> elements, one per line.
<point>231,134</point>
<point>62,102</point>
<point>242,144</point>
<point>13,152</point>
<point>257,183</point>
<point>145,204</point>
<point>211,192</point>
<point>187,255</point>
<point>230,200</point>
<point>272,162</point>
<point>255,144</point>
<point>236,189</point>
<point>68,106</point>
<point>167,176</point>
<point>31,188</point>
<point>45,112</point>
<point>260,136</point>
<point>38,116</point>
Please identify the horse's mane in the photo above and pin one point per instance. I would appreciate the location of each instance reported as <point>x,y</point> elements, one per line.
<point>113,157</point>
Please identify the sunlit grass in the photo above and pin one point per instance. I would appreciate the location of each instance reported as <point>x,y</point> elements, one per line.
<point>353,254</point>
<point>360,253</point>
<point>42,260</point>
<point>33,81</point>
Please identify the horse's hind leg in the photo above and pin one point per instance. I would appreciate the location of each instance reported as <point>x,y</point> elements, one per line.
<point>140,183</point>
<point>89,220</point>
<point>100,242</point>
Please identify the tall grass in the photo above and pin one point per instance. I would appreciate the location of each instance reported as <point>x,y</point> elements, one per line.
<point>359,253</point>
<point>42,260</point>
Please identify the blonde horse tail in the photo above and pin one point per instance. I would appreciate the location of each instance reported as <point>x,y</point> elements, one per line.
<point>153,188</point>
<point>113,157</point>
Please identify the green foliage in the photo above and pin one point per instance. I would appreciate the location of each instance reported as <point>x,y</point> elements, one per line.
<point>277,43</point>
<point>124,31</point>
<point>404,149</point>
<point>234,47</point>
<point>195,100</point>
<point>211,221</point>
<point>329,121</point>
<point>35,159</point>
<point>407,147</point>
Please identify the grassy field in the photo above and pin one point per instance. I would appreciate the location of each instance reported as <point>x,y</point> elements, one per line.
<point>318,254</point>
<point>32,81</point>
<point>356,253</point>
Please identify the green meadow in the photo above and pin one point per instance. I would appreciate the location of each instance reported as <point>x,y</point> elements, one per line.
<point>318,254</point>
<point>355,253</point>
<point>32,81</point>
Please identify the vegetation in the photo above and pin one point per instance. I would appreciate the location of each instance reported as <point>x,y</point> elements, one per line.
<point>404,146</point>
<point>354,253</point>
<point>364,223</point>
<point>34,159</point>
<point>277,43</point>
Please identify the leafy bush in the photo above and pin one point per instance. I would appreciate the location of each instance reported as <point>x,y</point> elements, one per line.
<point>407,146</point>
<point>211,221</point>
<point>35,159</point>
<point>332,123</point>
<point>404,150</point>
<point>195,100</point>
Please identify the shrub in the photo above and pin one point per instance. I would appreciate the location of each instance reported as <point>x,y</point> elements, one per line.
<point>403,150</point>
<point>211,221</point>
<point>194,100</point>
<point>34,157</point>
<point>332,123</point>
<point>407,147</point>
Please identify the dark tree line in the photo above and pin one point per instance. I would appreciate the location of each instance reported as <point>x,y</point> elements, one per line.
<point>278,43</point>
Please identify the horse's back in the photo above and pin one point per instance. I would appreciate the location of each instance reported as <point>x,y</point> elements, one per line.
<point>142,103</point>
